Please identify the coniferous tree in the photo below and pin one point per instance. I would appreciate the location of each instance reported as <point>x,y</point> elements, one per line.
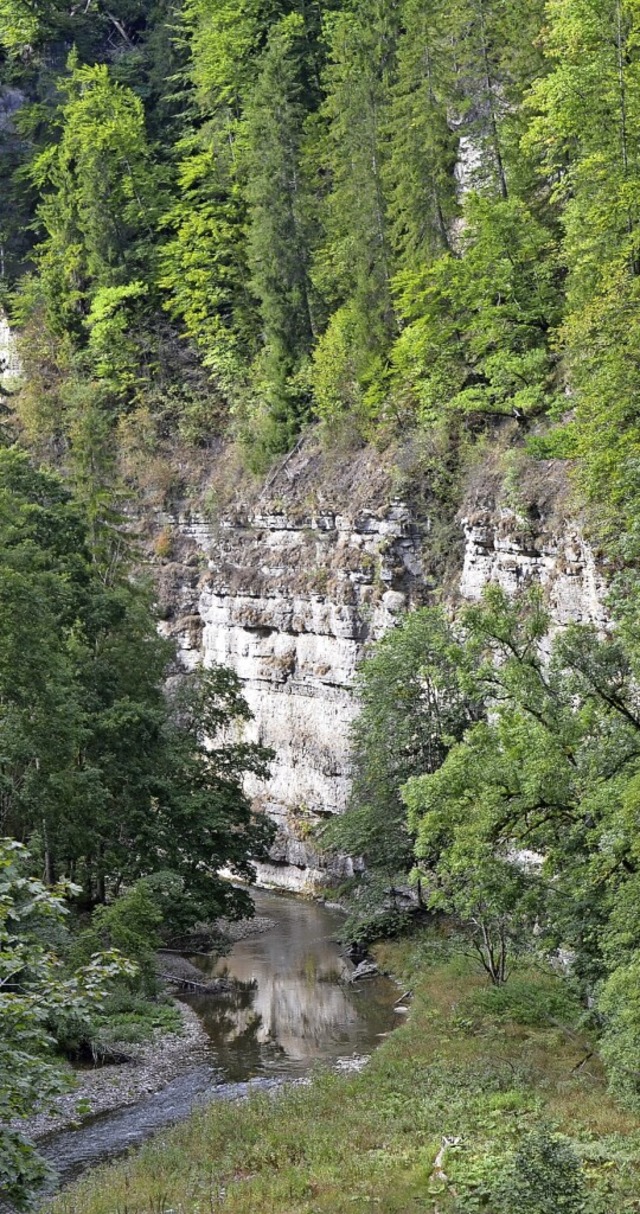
<point>586,133</point>
<point>354,266</point>
<point>280,231</point>
<point>203,265</point>
<point>101,195</point>
<point>420,171</point>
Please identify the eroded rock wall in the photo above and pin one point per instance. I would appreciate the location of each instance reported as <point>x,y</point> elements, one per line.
<point>289,588</point>
<point>10,368</point>
<point>522,528</point>
<point>289,597</point>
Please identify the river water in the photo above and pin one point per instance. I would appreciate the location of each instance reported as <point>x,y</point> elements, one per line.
<point>292,1010</point>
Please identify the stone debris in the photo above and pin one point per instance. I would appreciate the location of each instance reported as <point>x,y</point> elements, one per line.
<point>352,1065</point>
<point>241,929</point>
<point>152,1064</point>
<point>366,969</point>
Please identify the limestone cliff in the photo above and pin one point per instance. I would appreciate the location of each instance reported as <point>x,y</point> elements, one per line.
<point>287,591</point>
<point>287,584</point>
<point>9,360</point>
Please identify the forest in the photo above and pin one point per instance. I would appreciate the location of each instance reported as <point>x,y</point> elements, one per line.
<point>239,222</point>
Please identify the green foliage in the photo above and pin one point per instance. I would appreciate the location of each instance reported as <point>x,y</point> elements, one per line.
<point>353,267</point>
<point>544,1177</point>
<point>130,925</point>
<point>385,213</point>
<point>110,349</point>
<point>419,174</point>
<point>203,265</point>
<point>34,992</point>
<point>476,335</point>
<point>375,909</point>
<point>30,35</point>
<point>412,709</point>
<point>225,42</point>
<point>527,831</point>
<point>279,238</point>
<point>113,779</point>
<point>530,1001</point>
<point>335,374</point>
<point>128,1019</point>
<point>101,197</point>
<point>584,128</point>
<point>19,24</point>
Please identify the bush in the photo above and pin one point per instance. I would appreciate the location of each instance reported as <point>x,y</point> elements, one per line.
<point>534,1002</point>
<point>128,1018</point>
<point>375,911</point>
<point>130,924</point>
<point>620,1047</point>
<point>543,1177</point>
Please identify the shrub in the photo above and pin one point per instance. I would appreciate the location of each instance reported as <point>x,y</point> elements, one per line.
<point>533,1002</point>
<point>544,1176</point>
<point>130,924</point>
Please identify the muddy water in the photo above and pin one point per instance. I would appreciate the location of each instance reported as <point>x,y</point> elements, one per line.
<point>293,1007</point>
<point>292,1010</point>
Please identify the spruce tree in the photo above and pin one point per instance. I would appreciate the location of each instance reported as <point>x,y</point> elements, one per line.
<point>420,169</point>
<point>586,132</point>
<point>281,228</point>
<point>101,196</point>
<point>354,265</point>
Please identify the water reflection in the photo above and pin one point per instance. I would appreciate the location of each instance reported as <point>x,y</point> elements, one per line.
<point>290,1010</point>
<point>292,1007</point>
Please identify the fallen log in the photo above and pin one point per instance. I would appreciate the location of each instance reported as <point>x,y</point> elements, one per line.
<point>189,985</point>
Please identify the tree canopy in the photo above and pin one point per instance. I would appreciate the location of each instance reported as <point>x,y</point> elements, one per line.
<point>102,773</point>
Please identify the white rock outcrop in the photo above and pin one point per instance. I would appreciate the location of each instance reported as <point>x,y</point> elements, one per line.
<point>290,605</point>
<point>10,366</point>
<point>290,598</point>
<point>500,549</point>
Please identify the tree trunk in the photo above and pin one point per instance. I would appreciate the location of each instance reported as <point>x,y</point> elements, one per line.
<point>493,120</point>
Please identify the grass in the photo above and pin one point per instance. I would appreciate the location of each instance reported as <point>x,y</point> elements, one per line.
<point>462,1065</point>
<point>137,1021</point>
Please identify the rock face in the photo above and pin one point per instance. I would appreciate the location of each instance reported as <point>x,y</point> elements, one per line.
<point>10,368</point>
<point>289,594</point>
<point>533,538</point>
<point>498,550</point>
<point>289,604</point>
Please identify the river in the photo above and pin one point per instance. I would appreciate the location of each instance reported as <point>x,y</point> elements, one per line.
<point>292,1010</point>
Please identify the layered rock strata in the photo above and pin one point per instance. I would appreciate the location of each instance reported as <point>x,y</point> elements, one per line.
<point>500,547</point>
<point>290,605</point>
<point>289,597</point>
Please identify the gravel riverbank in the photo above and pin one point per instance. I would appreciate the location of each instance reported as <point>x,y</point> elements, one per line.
<point>102,1089</point>
<point>151,1064</point>
<point>241,929</point>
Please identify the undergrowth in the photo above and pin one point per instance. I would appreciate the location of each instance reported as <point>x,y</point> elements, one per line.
<point>509,1081</point>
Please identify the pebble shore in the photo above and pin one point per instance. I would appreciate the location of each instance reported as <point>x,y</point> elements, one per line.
<point>151,1064</point>
<point>103,1089</point>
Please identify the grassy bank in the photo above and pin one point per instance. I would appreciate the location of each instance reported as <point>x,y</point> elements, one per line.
<point>482,1067</point>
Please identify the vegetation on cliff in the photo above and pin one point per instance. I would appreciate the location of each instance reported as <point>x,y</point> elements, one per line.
<point>242,219</point>
<point>380,217</point>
